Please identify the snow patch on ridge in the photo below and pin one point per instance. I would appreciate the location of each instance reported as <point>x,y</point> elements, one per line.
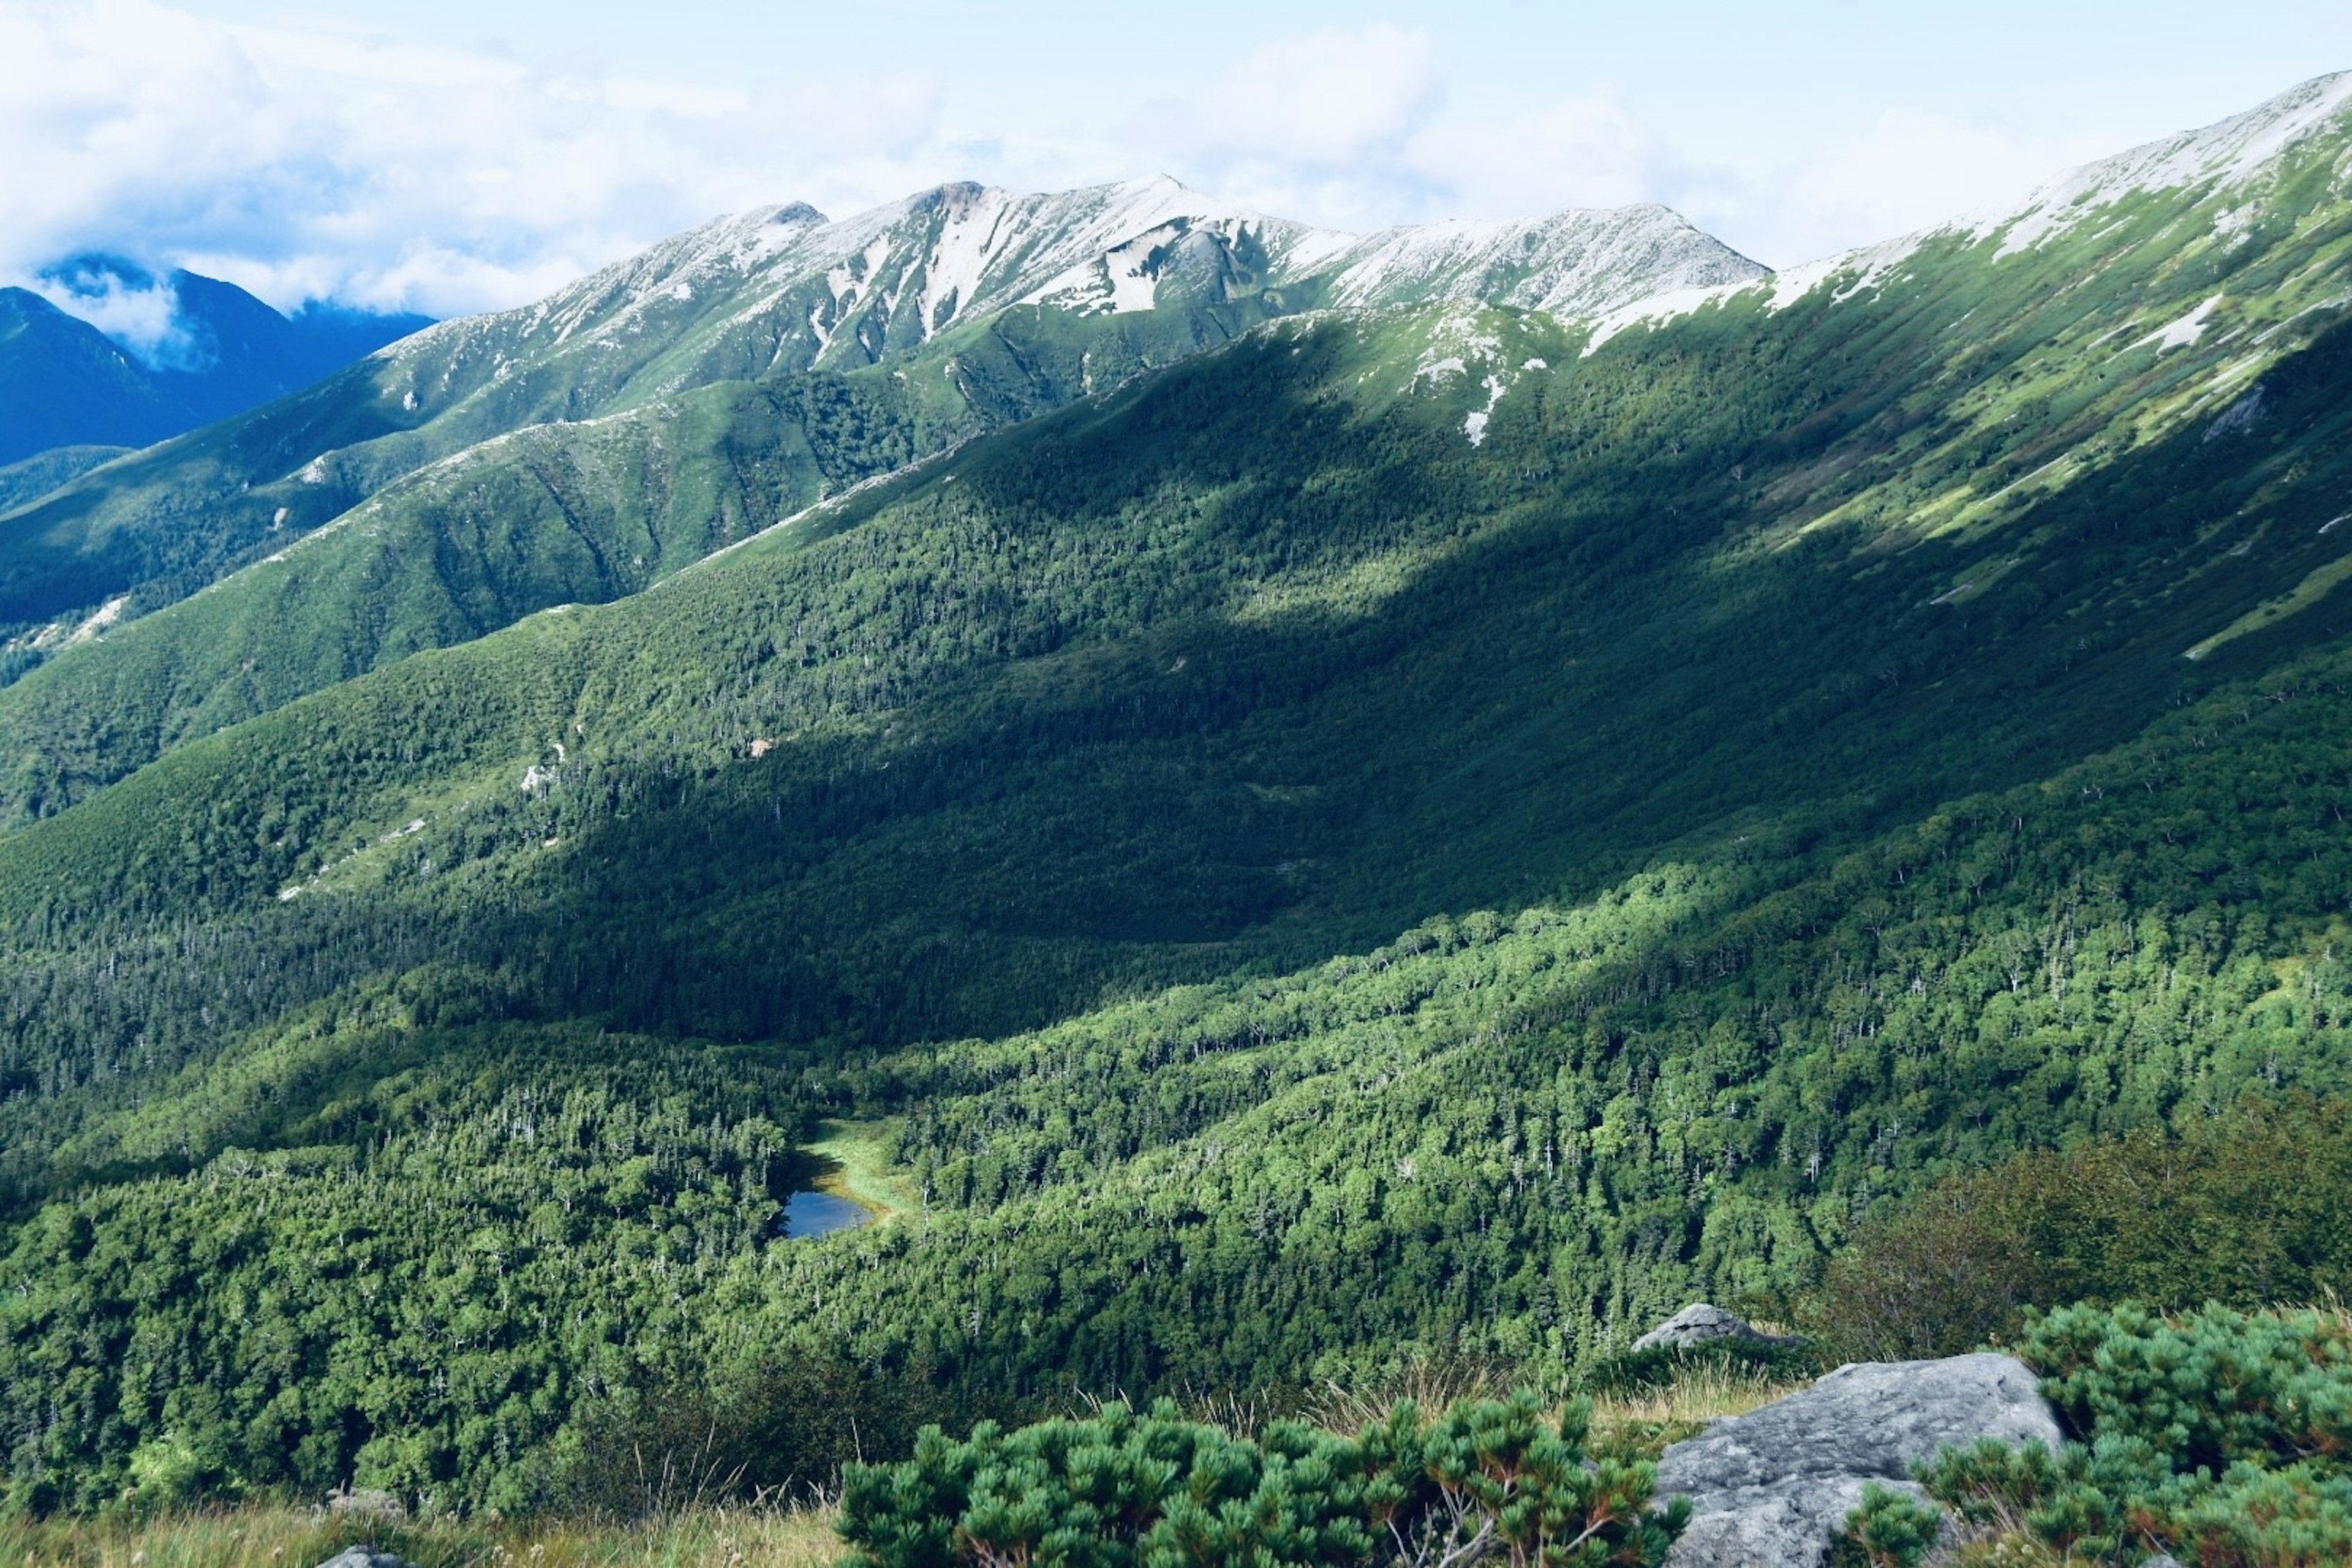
<point>1474,425</point>
<point>2182,333</point>
<point>781,289</point>
<point>1578,263</point>
<point>1851,272</point>
<point>1658,310</point>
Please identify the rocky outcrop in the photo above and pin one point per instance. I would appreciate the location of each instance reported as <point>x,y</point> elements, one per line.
<point>1771,1488</point>
<point>1700,1324</point>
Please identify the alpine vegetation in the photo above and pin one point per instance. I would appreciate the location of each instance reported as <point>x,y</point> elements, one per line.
<point>1294,837</point>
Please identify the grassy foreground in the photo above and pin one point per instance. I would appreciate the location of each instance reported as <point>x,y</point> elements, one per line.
<point>724,1537</point>
<point>300,1538</point>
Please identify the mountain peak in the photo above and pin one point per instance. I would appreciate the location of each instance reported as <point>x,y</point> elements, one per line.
<point>122,355</point>
<point>95,274</point>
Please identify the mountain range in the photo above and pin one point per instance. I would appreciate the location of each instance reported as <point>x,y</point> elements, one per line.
<point>1290,803</point>
<point>64,382</point>
<point>675,403</point>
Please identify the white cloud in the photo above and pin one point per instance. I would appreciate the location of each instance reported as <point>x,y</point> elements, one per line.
<point>1313,127</point>
<point>1905,173</point>
<point>1324,98</point>
<point>1360,131</point>
<point>304,161</point>
<point>301,164</point>
<point>142,315</point>
<point>1588,151</point>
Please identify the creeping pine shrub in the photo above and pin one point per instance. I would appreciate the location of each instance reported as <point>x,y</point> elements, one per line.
<point>1489,1479</point>
<point>2223,1437</point>
<point>1890,1529</point>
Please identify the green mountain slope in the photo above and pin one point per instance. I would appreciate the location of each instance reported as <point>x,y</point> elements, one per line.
<point>1798,675</point>
<point>62,382</point>
<point>29,479</point>
<point>1516,1138</point>
<point>581,511</point>
<point>577,450</point>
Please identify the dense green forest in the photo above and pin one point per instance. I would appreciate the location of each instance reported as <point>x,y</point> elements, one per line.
<point>401,544</point>
<point>1752,765</point>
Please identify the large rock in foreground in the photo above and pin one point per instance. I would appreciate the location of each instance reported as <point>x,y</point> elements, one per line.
<point>1771,1488</point>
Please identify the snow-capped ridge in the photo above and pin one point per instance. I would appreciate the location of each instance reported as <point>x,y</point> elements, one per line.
<point>900,274</point>
<point>1573,263</point>
<point>2231,151</point>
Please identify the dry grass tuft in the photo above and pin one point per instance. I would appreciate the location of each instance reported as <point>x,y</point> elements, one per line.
<point>302,1538</point>
<point>2008,1550</point>
<point>1634,1425</point>
<point>1431,1384</point>
<point>1645,1424</point>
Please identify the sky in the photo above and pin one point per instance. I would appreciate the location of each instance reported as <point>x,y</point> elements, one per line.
<point>457,155</point>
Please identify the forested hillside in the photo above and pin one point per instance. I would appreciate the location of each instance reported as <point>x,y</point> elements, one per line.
<point>1810,735</point>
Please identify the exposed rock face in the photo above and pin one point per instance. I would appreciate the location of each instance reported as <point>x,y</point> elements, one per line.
<point>1700,1324</point>
<point>1771,1488</point>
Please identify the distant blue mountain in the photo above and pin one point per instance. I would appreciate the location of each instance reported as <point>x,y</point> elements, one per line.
<point>63,382</point>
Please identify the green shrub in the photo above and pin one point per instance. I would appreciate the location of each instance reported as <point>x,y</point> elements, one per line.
<point>2240,1208</point>
<point>2223,1437</point>
<point>2300,1516</point>
<point>1890,1529</point>
<point>2075,1500</point>
<point>1486,1478</point>
<point>2208,1389</point>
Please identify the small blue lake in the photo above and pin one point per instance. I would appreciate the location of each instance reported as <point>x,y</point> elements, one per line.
<point>820,1214</point>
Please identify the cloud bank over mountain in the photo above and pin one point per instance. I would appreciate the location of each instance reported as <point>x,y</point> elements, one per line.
<point>312,159</point>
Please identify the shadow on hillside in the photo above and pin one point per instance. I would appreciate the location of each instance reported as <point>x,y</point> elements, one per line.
<point>1578,682</point>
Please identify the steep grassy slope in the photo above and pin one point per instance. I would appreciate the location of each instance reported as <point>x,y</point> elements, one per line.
<point>1799,678</point>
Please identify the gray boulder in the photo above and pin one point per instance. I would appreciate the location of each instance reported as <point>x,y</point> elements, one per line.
<point>363,1557</point>
<point>1771,1488</point>
<point>371,1503</point>
<point>1700,1324</point>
